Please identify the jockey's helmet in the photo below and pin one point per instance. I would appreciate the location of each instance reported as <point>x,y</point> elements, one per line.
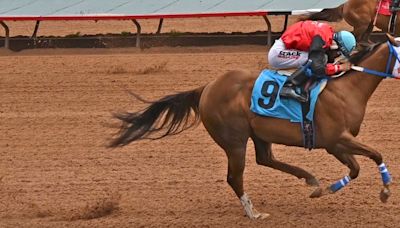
<point>346,42</point>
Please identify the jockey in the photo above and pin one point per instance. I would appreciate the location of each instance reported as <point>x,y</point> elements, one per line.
<point>304,41</point>
<point>395,6</point>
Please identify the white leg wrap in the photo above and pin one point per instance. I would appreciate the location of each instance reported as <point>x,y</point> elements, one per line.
<point>248,207</point>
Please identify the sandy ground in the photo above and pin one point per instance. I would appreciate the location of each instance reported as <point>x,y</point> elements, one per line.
<point>55,115</point>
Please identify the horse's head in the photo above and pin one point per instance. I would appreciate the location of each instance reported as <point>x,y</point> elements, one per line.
<point>389,50</point>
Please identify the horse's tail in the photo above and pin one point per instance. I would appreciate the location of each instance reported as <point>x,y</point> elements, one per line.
<point>331,15</point>
<point>168,116</point>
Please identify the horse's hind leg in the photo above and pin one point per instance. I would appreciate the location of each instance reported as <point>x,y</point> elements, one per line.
<point>233,139</point>
<point>349,161</point>
<point>236,163</point>
<point>265,157</point>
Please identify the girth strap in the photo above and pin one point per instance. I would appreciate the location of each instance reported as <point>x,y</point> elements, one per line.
<point>392,23</point>
<point>307,126</point>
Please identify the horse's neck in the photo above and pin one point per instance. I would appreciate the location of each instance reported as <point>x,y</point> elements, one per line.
<point>361,85</point>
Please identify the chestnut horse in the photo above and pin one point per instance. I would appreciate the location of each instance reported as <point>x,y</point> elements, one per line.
<point>223,106</point>
<point>360,14</point>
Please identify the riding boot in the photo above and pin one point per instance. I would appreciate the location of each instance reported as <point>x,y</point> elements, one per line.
<point>289,88</point>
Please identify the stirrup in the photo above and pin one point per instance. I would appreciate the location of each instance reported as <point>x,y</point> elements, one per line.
<point>290,92</point>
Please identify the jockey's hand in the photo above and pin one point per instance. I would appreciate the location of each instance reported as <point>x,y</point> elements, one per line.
<point>345,66</point>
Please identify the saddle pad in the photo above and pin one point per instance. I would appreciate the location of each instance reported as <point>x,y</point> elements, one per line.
<point>265,99</point>
<point>383,7</point>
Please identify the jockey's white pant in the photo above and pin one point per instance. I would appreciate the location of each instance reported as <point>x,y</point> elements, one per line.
<point>281,58</point>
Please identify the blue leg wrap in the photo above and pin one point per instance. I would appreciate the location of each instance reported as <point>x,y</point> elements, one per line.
<point>386,178</point>
<point>340,184</point>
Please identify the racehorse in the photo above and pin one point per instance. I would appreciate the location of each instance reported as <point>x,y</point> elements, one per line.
<point>361,14</point>
<point>223,106</point>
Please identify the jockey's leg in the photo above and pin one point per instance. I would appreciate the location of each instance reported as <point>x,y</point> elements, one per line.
<point>279,57</point>
<point>296,79</point>
<point>317,60</point>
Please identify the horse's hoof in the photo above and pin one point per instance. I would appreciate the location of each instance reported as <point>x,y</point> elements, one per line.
<point>261,216</point>
<point>317,193</point>
<point>258,215</point>
<point>313,182</point>
<point>385,193</point>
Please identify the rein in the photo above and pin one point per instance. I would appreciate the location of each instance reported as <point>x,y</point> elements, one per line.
<point>387,73</point>
<point>377,12</point>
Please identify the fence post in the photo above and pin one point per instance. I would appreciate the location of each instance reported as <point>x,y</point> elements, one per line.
<point>160,26</point>
<point>7,38</point>
<point>139,30</point>
<point>269,43</point>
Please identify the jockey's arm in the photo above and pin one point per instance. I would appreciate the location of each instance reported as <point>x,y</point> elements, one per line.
<point>318,55</point>
<point>319,59</point>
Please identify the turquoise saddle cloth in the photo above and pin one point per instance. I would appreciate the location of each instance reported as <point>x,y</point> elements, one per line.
<point>265,99</point>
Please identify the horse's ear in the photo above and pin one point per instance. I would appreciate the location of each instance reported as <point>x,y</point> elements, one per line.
<point>392,40</point>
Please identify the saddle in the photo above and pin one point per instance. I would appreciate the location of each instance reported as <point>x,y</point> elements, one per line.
<point>266,101</point>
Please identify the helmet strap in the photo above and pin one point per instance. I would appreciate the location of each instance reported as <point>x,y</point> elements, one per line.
<point>334,45</point>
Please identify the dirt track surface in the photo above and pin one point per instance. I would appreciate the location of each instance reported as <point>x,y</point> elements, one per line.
<point>55,120</point>
<point>55,170</point>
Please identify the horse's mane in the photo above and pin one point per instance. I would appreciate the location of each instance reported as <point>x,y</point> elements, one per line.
<point>364,53</point>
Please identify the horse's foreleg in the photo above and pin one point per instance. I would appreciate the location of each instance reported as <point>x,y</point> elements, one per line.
<point>353,146</point>
<point>349,161</point>
<point>236,163</point>
<point>265,157</point>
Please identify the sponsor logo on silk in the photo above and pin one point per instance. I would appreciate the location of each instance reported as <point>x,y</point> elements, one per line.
<point>289,54</point>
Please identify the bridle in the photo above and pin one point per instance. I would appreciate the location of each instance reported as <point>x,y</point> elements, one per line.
<point>388,72</point>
